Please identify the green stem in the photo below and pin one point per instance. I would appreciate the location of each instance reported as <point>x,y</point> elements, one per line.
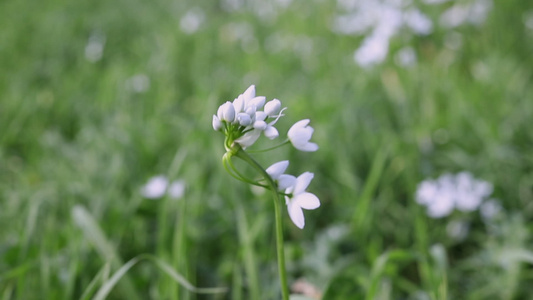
<point>271,148</point>
<point>279,221</point>
<point>230,168</point>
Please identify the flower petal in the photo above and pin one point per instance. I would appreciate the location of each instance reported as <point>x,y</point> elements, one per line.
<point>308,147</point>
<point>307,200</point>
<point>302,182</point>
<point>297,126</point>
<point>277,169</point>
<point>272,107</point>
<point>155,188</point>
<point>244,119</point>
<point>248,138</point>
<point>260,116</point>
<point>258,102</point>
<point>249,94</point>
<point>271,132</point>
<point>297,215</point>
<point>238,104</point>
<point>217,125</point>
<point>260,125</point>
<point>285,181</point>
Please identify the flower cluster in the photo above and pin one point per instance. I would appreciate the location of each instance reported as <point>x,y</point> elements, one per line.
<point>461,191</point>
<point>158,186</point>
<point>243,121</point>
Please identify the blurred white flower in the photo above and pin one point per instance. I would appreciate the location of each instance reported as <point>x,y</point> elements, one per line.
<point>528,20</point>
<point>138,83</point>
<point>158,186</point>
<point>300,134</point>
<point>176,190</point>
<point>406,57</point>
<point>418,22</point>
<point>461,191</point>
<point>454,16</point>
<point>434,1</point>
<point>94,50</point>
<point>458,230</point>
<point>474,12</point>
<point>470,192</point>
<point>441,206</point>
<point>373,51</point>
<point>155,188</point>
<point>380,21</point>
<point>191,21</point>
<point>299,199</point>
<point>490,209</point>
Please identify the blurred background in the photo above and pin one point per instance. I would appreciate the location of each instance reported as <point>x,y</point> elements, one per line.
<point>99,97</point>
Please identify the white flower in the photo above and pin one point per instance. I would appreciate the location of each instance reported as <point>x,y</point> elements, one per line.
<point>217,125</point>
<point>490,209</point>
<point>426,191</point>
<point>300,134</point>
<point>276,171</point>
<point>458,230</point>
<point>159,185</point>
<point>299,199</point>
<point>155,188</point>
<point>244,119</point>
<point>248,100</point>
<point>449,192</point>
<point>272,107</point>
<point>176,190</point>
<point>470,192</point>
<point>226,112</point>
<point>441,206</point>
<point>259,125</point>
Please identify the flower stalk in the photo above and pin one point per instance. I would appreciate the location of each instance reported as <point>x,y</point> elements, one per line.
<point>242,122</point>
<point>280,249</point>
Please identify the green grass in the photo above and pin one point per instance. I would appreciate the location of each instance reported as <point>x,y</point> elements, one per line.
<point>75,141</point>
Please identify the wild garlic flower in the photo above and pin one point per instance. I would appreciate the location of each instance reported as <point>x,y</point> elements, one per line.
<point>243,121</point>
<point>449,192</point>
<point>159,185</point>
<point>297,198</point>
<point>276,171</point>
<point>300,134</point>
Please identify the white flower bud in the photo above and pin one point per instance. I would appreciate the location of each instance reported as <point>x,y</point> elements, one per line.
<point>249,94</point>
<point>261,125</point>
<point>251,111</point>
<point>271,132</point>
<point>260,116</point>
<point>244,119</point>
<point>272,107</point>
<point>258,102</point>
<point>217,125</point>
<point>226,112</point>
<point>238,104</point>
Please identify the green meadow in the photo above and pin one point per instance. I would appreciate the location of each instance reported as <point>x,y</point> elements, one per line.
<point>97,97</point>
